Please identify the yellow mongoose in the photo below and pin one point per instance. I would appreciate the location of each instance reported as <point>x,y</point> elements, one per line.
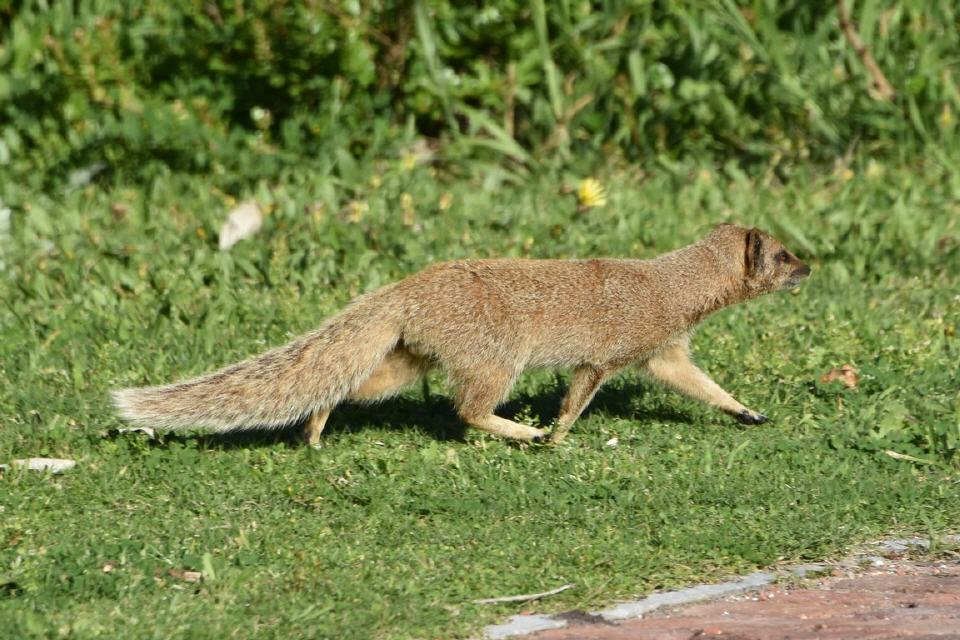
<point>483,322</point>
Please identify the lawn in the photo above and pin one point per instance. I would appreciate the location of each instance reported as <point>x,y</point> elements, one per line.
<point>403,517</point>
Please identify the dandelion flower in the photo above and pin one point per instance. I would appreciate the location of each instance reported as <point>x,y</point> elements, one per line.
<point>946,116</point>
<point>408,160</point>
<point>591,194</point>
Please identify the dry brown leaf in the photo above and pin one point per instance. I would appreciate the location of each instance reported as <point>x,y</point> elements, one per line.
<point>847,374</point>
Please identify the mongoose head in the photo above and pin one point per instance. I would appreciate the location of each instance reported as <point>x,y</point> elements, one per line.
<point>768,265</point>
<point>758,262</point>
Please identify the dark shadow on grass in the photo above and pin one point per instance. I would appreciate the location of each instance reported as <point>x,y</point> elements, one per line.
<point>615,399</point>
<point>435,416</point>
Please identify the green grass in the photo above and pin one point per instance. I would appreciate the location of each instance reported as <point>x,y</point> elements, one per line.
<point>403,518</point>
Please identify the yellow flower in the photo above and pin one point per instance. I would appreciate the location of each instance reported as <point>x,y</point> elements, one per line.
<point>446,199</point>
<point>946,116</point>
<point>408,160</point>
<point>591,194</point>
<point>354,210</point>
<point>874,170</point>
<point>406,206</point>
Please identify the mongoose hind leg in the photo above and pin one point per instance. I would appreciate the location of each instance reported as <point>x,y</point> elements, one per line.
<point>506,428</point>
<point>479,391</point>
<point>398,369</point>
<point>583,385</point>
<point>673,367</point>
<point>314,427</point>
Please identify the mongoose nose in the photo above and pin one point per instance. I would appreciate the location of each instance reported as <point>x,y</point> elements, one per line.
<point>803,271</point>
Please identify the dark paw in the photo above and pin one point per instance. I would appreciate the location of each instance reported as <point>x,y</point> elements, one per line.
<point>747,417</point>
<point>539,439</point>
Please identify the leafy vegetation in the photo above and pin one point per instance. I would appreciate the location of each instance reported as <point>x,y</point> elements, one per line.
<point>242,90</point>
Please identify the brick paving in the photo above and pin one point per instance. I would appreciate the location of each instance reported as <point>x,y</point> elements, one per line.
<point>893,599</point>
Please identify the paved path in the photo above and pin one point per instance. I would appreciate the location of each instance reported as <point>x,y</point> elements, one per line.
<point>866,597</point>
<point>899,600</point>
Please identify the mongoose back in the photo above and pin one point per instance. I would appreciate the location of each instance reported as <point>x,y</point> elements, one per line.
<point>483,322</point>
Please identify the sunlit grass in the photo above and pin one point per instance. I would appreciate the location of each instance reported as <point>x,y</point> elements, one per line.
<point>403,517</point>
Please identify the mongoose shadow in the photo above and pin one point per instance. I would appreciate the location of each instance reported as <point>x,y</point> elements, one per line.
<point>435,416</point>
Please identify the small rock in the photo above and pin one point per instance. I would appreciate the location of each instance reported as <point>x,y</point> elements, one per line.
<point>144,430</point>
<point>54,465</point>
<point>85,175</point>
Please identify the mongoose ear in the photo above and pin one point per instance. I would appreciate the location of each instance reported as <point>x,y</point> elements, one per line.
<point>753,252</point>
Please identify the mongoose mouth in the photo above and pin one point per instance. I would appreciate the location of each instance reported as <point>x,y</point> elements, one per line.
<point>795,277</point>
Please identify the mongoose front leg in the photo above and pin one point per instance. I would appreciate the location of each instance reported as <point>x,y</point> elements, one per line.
<point>583,385</point>
<point>673,367</point>
<point>314,427</point>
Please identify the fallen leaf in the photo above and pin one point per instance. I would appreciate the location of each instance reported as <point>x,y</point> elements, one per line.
<point>243,221</point>
<point>186,575</point>
<point>847,374</point>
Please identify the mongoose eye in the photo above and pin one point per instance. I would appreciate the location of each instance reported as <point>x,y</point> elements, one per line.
<point>782,257</point>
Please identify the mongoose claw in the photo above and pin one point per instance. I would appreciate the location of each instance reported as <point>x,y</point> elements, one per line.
<point>749,417</point>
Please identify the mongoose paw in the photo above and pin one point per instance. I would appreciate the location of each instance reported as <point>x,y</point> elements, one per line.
<point>751,417</point>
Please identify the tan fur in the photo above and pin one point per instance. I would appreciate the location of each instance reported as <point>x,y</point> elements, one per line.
<point>483,322</point>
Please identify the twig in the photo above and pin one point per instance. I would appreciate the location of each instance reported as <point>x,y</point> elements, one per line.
<point>902,456</point>
<point>378,35</point>
<point>509,121</point>
<point>880,83</point>
<point>525,597</point>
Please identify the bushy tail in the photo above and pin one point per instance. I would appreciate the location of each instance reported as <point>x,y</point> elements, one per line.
<point>314,371</point>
